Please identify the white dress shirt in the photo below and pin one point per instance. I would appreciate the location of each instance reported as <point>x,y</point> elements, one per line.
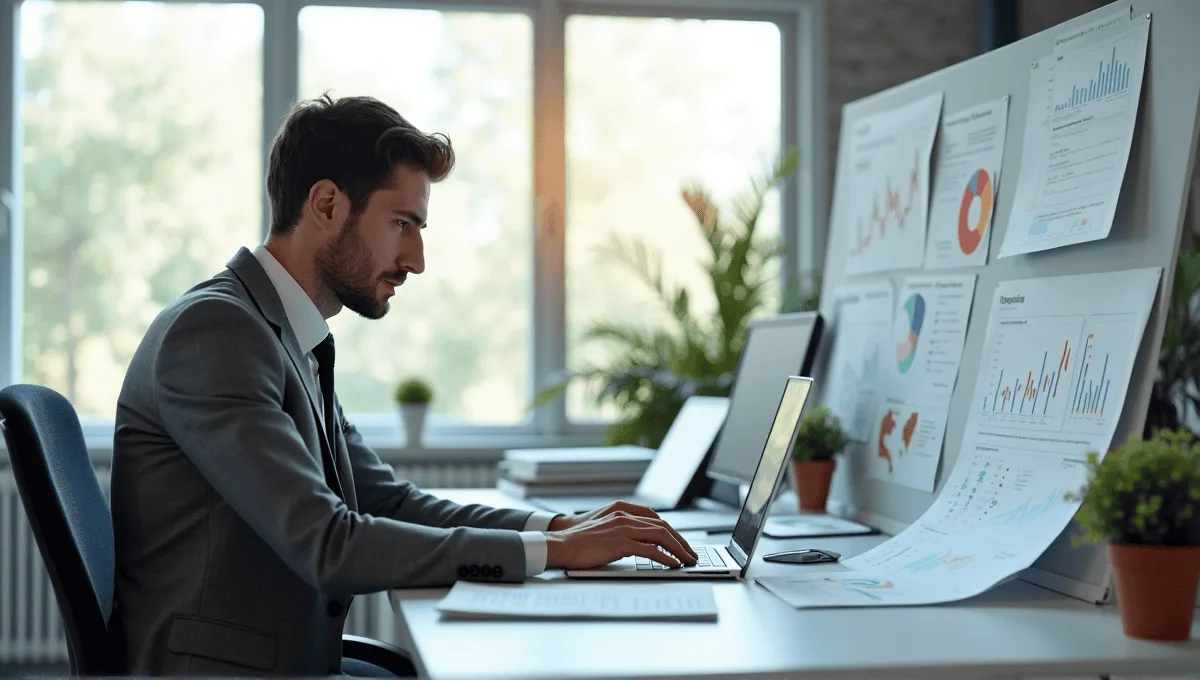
<point>310,329</point>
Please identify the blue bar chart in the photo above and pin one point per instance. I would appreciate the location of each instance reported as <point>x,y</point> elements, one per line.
<point>1110,78</point>
<point>1093,396</point>
<point>1091,392</point>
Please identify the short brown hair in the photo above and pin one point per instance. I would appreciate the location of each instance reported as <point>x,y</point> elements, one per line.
<point>355,142</point>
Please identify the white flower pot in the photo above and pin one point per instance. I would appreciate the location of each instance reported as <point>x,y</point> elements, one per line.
<point>412,416</point>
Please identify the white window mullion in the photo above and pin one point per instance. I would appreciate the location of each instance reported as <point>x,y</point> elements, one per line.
<point>549,188</point>
<point>11,255</point>
<point>281,75</point>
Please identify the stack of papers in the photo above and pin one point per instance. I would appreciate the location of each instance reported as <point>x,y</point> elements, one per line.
<point>607,470</point>
<point>469,601</point>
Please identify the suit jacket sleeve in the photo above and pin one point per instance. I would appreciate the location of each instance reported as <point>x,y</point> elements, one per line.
<point>382,495</point>
<point>220,374</point>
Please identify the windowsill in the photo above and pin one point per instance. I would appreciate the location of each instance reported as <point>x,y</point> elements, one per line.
<point>436,448</point>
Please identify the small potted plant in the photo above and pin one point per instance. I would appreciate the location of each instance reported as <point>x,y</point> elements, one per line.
<point>413,396</point>
<point>818,440</point>
<point>1144,499</point>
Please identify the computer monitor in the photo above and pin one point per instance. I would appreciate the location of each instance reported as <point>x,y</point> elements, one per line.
<point>776,348</point>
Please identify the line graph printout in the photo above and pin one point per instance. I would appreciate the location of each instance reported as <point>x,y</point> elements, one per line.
<point>1071,340</point>
<point>889,186</point>
<point>929,327</point>
<point>862,315</point>
<point>964,188</point>
<point>1083,104</point>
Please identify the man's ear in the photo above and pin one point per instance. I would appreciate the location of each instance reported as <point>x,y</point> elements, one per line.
<point>325,204</point>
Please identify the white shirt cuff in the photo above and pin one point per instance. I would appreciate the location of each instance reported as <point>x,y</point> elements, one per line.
<point>539,521</point>
<point>535,542</point>
<point>535,552</point>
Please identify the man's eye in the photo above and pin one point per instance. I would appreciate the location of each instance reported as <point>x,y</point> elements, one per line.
<point>402,223</point>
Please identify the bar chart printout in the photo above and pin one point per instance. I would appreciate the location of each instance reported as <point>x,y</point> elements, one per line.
<point>1112,78</point>
<point>1101,360</point>
<point>1030,374</point>
<point>1051,385</point>
<point>1082,113</point>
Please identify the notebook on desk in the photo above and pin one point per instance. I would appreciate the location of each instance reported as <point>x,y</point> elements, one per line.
<point>731,561</point>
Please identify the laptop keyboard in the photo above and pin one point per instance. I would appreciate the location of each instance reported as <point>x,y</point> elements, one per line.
<point>704,558</point>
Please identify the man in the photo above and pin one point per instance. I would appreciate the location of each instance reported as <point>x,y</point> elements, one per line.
<point>246,510</point>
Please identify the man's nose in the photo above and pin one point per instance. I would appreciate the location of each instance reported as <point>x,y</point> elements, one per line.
<point>413,260</point>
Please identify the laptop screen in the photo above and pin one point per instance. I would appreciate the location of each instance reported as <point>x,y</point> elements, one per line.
<point>770,469</point>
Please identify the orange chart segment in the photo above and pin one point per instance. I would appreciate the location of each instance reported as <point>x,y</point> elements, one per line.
<point>972,231</point>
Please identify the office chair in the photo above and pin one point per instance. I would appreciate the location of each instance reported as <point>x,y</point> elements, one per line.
<point>73,528</point>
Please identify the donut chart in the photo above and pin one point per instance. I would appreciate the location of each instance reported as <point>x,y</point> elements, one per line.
<point>970,235</point>
<point>906,351</point>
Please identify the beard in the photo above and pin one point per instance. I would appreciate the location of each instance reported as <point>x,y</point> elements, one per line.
<point>345,268</point>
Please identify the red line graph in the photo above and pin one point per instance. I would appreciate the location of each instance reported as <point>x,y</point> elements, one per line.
<point>892,208</point>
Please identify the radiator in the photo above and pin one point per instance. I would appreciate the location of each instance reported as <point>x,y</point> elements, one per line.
<point>30,625</point>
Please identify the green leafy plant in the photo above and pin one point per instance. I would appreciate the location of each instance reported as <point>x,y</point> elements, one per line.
<point>1147,492</point>
<point>820,436</point>
<point>414,391</point>
<point>654,370</point>
<point>1179,355</point>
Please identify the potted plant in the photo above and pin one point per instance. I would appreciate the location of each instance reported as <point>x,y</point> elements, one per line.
<point>1175,399</point>
<point>1144,499</point>
<point>413,396</point>
<point>819,438</point>
<point>653,370</point>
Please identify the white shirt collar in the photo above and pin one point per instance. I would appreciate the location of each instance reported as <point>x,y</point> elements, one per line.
<point>306,320</point>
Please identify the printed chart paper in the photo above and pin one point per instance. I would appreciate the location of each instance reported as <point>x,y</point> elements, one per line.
<point>964,191</point>
<point>855,589</point>
<point>1052,382</point>
<point>863,314</point>
<point>889,187</point>
<point>1083,105</point>
<point>929,328</point>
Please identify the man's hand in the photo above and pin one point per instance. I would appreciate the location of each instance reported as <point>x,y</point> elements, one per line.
<point>610,533</point>
<point>567,521</point>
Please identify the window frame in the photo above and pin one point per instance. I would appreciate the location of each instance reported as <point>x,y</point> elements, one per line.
<point>803,199</point>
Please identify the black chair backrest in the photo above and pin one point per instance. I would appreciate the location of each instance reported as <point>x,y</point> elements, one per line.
<point>69,516</point>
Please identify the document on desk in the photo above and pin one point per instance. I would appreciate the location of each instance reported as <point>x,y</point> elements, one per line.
<point>1083,104</point>
<point>468,601</point>
<point>1053,376</point>
<point>855,589</point>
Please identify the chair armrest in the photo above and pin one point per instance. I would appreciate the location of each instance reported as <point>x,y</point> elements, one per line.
<point>382,654</point>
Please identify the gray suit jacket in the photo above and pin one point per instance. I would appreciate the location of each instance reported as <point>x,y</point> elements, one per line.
<point>234,557</point>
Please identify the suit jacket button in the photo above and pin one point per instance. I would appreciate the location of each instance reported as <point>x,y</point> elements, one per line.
<point>497,571</point>
<point>463,572</point>
<point>486,571</point>
<point>474,571</point>
<point>334,608</point>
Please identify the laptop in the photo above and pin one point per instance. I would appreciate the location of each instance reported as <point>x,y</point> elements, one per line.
<point>732,560</point>
<point>666,479</point>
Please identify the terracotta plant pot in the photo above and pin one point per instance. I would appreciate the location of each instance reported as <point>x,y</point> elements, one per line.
<point>812,483</point>
<point>1156,589</point>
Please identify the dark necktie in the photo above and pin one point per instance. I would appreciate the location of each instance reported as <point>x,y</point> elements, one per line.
<point>324,353</point>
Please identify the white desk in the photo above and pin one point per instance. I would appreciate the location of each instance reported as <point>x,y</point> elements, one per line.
<point>1017,630</point>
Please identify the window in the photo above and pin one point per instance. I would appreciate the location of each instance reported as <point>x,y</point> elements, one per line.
<point>464,323</point>
<point>685,110</point>
<point>141,131</point>
<point>141,170</point>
